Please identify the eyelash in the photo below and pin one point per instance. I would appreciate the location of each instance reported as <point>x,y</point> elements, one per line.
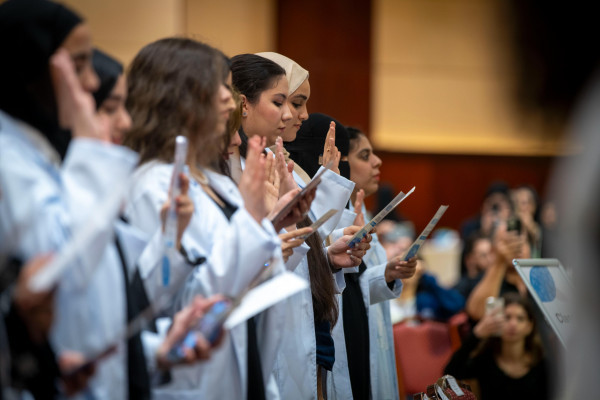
<point>296,105</point>
<point>109,110</point>
<point>278,104</point>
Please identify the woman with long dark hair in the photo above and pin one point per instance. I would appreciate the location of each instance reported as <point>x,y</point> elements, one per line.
<point>504,354</point>
<point>307,349</point>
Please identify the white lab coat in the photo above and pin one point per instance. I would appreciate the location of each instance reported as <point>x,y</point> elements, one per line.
<point>332,193</point>
<point>235,250</point>
<point>381,348</point>
<point>41,202</point>
<point>296,366</point>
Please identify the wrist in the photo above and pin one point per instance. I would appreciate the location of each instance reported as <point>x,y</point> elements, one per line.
<point>387,276</point>
<point>332,266</point>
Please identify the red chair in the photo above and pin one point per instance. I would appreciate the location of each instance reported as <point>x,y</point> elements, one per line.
<point>422,352</point>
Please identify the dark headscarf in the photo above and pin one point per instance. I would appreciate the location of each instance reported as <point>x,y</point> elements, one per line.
<point>30,32</point>
<point>310,140</point>
<point>108,70</point>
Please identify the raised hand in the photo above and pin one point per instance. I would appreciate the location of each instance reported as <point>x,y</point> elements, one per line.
<point>76,107</point>
<point>358,203</point>
<point>330,151</point>
<point>271,184</point>
<point>252,182</point>
<point>507,244</point>
<point>490,324</point>
<point>286,177</point>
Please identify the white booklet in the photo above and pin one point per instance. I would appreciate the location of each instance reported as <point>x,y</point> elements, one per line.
<point>414,248</point>
<point>358,236</point>
<point>264,296</point>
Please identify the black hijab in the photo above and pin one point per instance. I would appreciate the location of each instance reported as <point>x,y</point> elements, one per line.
<point>108,70</point>
<point>30,32</point>
<point>306,149</point>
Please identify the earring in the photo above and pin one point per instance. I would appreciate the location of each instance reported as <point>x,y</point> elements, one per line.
<point>244,113</point>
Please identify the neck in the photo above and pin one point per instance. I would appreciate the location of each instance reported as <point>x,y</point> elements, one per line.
<point>513,351</point>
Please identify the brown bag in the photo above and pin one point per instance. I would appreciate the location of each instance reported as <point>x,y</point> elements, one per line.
<point>446,388</point>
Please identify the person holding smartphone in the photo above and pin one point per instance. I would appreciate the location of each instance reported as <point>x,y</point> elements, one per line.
<point>504,354</point>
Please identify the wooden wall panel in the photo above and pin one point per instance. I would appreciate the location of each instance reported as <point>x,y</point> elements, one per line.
<point>332,39</point>
<point>457,180</point>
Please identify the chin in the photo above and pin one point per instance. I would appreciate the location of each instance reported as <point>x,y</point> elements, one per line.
<point>371,189</point>
<point>289,136</point>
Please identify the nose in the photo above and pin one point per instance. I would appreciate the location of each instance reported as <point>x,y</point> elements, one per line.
<point>376,161</point>
<point>236,140</point>
<point>227,98</point>
<point>89,80</point>
<point>124,121</point>
<point>303,114</point>
<point>287,114</point>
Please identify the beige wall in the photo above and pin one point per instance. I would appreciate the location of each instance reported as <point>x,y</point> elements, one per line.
<point>234,26</point>
<point>440,81</point>
<point>123,27</point>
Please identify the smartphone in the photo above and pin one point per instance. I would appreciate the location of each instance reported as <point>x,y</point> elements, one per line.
<point>495,305</point>
<point>514,224</point>
<point>209,326</point>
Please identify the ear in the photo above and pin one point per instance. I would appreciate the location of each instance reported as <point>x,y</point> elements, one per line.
<point>245,105</point>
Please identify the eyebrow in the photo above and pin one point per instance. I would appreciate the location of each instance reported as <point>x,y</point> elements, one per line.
<point>114,97</point>
<point>301,96</point>
<point>81,56</point>
<point>282,95</point>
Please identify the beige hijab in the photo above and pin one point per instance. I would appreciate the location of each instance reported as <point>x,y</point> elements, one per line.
<point>296,75</point>
<point>293,71</point>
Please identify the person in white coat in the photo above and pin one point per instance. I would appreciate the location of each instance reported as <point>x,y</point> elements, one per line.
<point>379,281</point>
<point>53,180</point>
<point>310,314</point>
<point>229,227</point>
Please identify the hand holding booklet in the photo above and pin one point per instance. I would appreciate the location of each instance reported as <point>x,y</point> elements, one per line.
<point>310,186</point>
<point>358,236</point>
<point>263,292</point>
<point>414,248</point>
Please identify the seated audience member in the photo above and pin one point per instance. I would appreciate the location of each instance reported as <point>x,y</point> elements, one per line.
<point>395,237</point>
<point>500,277</point>
<point>504,354</point>
<point>526,206</point>
<point>496,205</point>
<point>478,257</point>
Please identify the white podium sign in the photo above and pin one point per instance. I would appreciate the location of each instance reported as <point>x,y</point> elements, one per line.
<point>551,288</point>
